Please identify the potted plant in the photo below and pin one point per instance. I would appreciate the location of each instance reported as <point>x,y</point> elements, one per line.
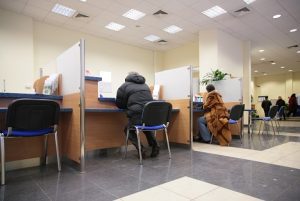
<point>214,75</point>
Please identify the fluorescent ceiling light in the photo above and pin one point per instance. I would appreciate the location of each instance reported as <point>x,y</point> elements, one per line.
<point>298,51</point>
<point>282,67</point>
<point>214,11</point>
<point>114,26</point>
<point>63,10</point>
<point>290,70</point>
<point>134,14</point>
<point>261,50</point>
<point>152,38</point>
<point>256,71</point>
<point>83,0</point>
<point>276,16</point>
<point>293,30</point>
<point>172,29</point>
<point>262,59</point>
<point>249,1</point>
<point>273,63</point>
<point>265,74</point>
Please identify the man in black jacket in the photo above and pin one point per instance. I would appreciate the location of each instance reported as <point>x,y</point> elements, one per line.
<point>132,96</point>
<point>266,104</point>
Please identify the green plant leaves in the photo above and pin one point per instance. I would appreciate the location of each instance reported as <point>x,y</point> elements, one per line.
<point>214,75</point>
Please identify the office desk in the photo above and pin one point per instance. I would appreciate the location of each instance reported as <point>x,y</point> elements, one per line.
<point>105,128</point>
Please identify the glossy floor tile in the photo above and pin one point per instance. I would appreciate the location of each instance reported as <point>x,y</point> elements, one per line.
<point>187,188</point>
<point>267,168</point>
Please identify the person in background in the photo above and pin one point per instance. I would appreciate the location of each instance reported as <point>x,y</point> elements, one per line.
<point>132,96</point>
<point>281,105</point>
<point>292,105</point>
<point>266,104</point>
<point>215,117</point>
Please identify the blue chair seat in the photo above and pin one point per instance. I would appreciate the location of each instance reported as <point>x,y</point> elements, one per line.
<point>231,121</point>
<point>266,118</point>
<point>150,128</point>
<point>20,133</point>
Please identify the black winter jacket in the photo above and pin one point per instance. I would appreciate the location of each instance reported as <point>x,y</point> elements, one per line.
<point>133,95</point>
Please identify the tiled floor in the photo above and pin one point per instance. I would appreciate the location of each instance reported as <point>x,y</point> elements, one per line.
<point>261,169</point>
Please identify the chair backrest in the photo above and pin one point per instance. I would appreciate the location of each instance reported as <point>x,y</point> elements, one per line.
<point>237,112</point>
<point>156,113</point>
<point>32,114</point>
<point>273,111</point>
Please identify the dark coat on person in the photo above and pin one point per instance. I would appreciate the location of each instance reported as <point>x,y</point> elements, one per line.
<point>132,96</point>
<point>217,117</point>
<point>280,103</point>
<point>293,104</point>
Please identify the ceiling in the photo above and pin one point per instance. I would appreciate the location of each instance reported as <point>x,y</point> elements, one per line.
<point>257,25</point>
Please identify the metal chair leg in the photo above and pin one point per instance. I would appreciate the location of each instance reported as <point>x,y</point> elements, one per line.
<point>2,161</point>
<point>211,138</point>
<point>139,146</point>
<point>126,143</point>
<point>44,160</point>
<point>167,138</point>
<point>260,127</point>
<point>273,127</point>
<point>57,152</point>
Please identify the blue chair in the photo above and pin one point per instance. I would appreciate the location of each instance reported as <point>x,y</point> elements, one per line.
<point>30,118</point>
<point>156,116</point>
<point>236,113</point>
<point>269,119</point>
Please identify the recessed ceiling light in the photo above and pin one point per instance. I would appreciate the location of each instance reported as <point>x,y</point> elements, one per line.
<point>261,50</point>
<point>293,30</point>
<point>114,26</point>
<point>298,51</point>
<point>152,38</point>
<point>265,74</point>
<point>282,67</point>
<point>262,59</point>
<point>276,16</point>
<point>256,71</point>
<point>273,63</point>
<point>290,70</point>
<point>134,14</point>
<point>172,29</point>
<point>83,0</point>
<point>214,11</point>
<point>63,10</point>
<point>249,1</point>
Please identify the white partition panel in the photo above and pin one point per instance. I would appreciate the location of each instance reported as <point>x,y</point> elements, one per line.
<point>68,65</point>
<point>231,89</point>
<point>176,83</point>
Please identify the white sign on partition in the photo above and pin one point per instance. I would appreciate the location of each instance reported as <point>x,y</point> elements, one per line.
<point>176,83</point>
<point>68,65</point>
<point>106,76</point>
<point>231,89</point>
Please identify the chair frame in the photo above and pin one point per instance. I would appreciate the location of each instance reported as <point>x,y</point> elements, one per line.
<point>271,118</point>
<point>144,127</point>
<point>10,130</point>
<point>236,119</point>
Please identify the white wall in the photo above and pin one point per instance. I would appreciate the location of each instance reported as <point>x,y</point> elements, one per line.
<point>101,54</point>
<point>219,50</point>
<point>181,56</point>
<point>230,54</point>
<point>16,52</point>
<point>27,45</point>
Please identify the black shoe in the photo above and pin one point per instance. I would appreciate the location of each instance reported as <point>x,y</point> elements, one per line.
<point>155,151</point>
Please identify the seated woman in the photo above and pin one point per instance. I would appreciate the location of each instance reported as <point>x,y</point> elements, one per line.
<point>215,119</point>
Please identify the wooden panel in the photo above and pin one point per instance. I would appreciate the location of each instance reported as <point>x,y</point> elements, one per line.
<point>70,128</point>
<point>179,129</point>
